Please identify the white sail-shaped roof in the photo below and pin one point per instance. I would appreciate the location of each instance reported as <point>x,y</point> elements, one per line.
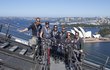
<point>80,33</point>
<point>83,32</point>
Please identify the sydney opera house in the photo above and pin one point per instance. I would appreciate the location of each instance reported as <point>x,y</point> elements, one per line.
<point>83,33</point>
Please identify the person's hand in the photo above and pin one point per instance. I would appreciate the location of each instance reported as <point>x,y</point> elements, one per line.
<point>26,29</point>
<point>20,30</point>
<point>81,51</point>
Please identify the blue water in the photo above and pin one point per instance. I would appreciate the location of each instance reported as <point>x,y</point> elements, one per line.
<point>98,52</point>
<point>93,29</point>
<point>102,47</point>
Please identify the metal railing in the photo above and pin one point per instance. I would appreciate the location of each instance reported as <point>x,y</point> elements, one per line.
<point>103,61</point>
<point>14,31</point>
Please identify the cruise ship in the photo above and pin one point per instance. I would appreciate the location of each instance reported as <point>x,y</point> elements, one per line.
<point>15,55</point>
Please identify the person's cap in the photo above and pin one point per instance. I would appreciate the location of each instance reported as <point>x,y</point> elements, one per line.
<point>37,19</point>
<point>55,26</point>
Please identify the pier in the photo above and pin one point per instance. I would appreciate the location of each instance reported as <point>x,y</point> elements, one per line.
<point>94,40</point>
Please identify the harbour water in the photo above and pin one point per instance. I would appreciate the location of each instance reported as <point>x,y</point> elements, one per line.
<point>101,47</point>
<point>98,52</point>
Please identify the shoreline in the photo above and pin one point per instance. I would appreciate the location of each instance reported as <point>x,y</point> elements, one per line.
<point>95,40</point>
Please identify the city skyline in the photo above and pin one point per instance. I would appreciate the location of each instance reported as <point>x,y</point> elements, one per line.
<point>55,8</point>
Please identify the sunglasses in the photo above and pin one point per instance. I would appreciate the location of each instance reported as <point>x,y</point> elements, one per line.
<point>55,28</point>
<point>38,21</point>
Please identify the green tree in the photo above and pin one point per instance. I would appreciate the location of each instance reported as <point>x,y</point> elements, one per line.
<point>104,31</point>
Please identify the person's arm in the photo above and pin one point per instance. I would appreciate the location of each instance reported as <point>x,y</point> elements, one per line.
<point>24,30</point>
<point>41,34</point>
<point>81,44</point>
<point>41,31</point>
<point>58,35</point>
<point>51,33</point>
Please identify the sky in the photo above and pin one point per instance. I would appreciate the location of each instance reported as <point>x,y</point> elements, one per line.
<point>55,8</point>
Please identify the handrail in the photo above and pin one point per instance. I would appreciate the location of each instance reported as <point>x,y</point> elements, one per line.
<point>98,54</point>
<point>104,63</point>
<point>97,57</point>
<point>1,27</point>
<point>7,30</point>
<point>12,25</point>
<point>10,28</point>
